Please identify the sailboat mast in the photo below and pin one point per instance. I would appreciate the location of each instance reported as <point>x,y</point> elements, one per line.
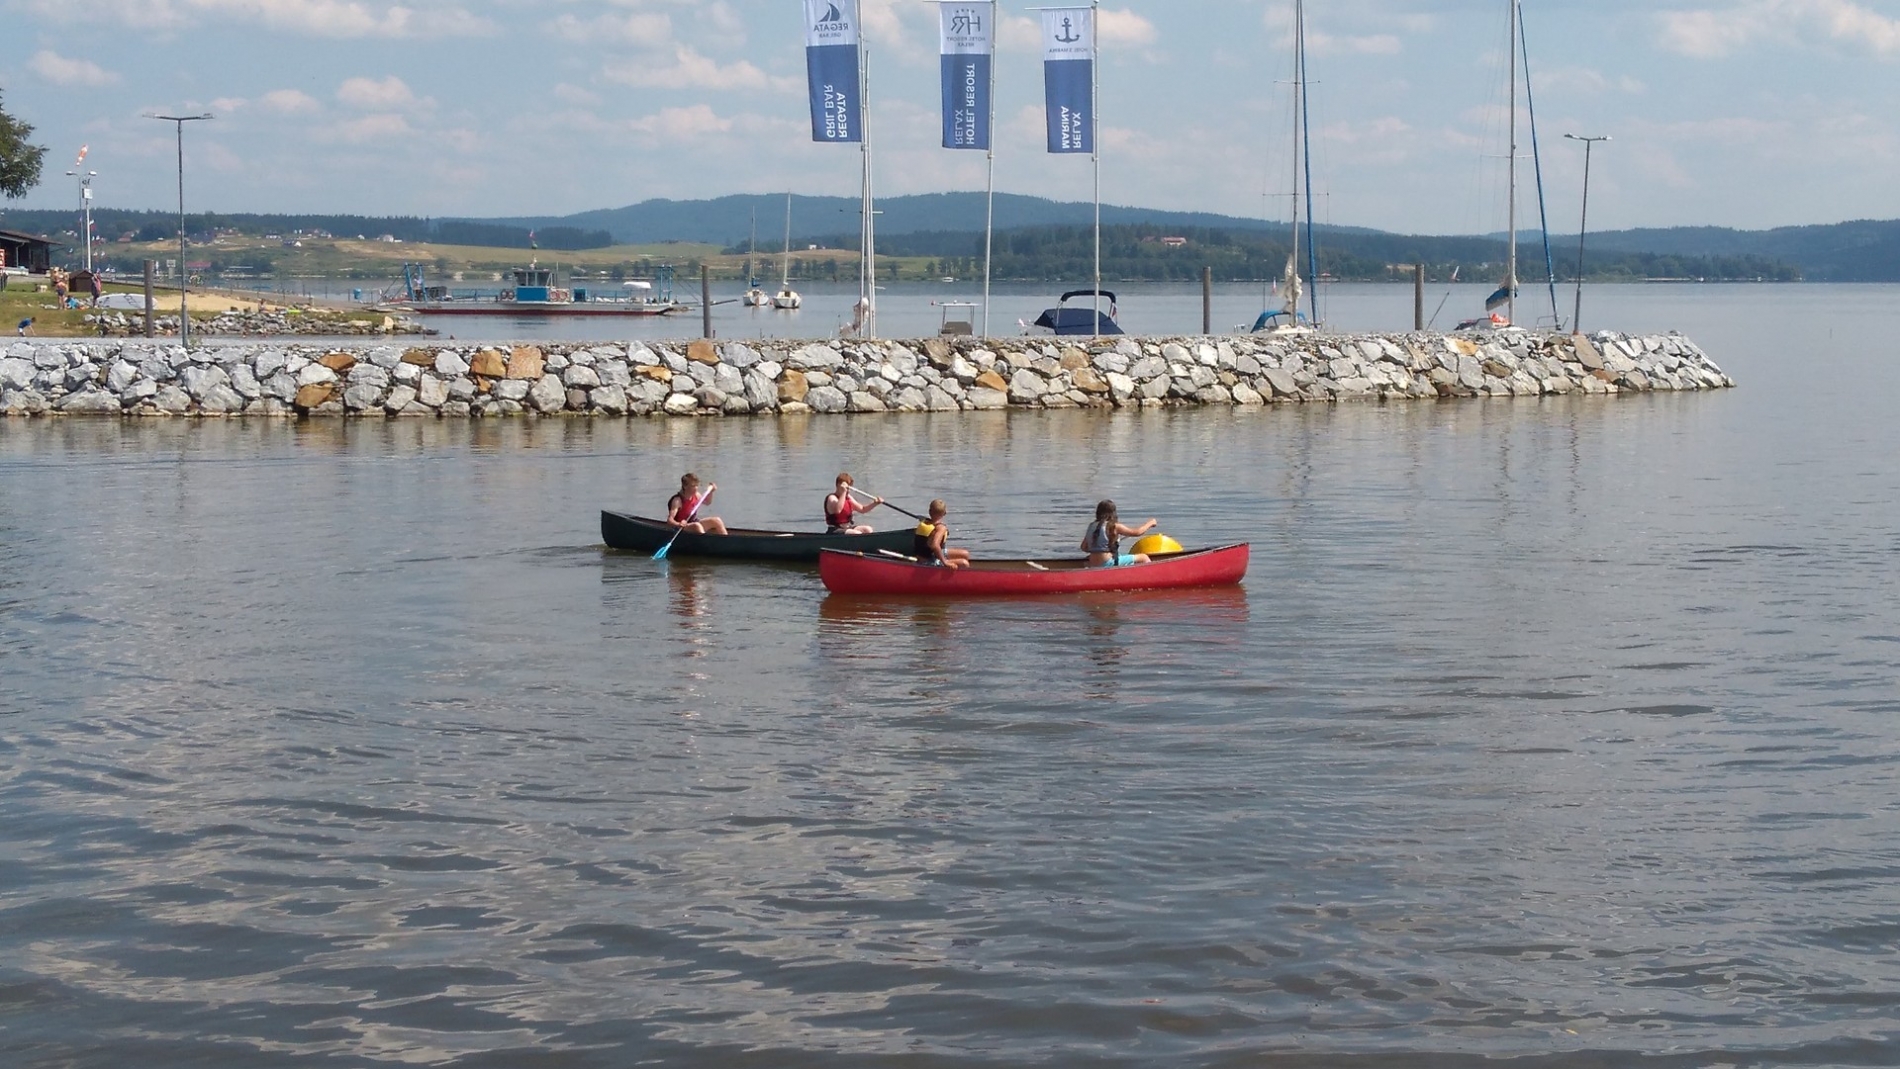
<point>1299,95</point>
<point>785,264</point>
<point>1306,144</point>
<point>1510,253</point>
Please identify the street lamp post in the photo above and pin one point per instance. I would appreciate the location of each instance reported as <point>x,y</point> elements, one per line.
<point>184,273</point>
<point>1576,313</point>
<point>85,209</point>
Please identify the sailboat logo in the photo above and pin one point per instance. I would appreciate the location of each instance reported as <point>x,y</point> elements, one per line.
<point>832,16</point>
<point>1068,36</point>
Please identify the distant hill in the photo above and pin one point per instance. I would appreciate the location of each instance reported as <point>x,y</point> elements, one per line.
<point>950,226</point>
<point>1861,251</point>
<point>727,221</point>
<point>1864,250</point>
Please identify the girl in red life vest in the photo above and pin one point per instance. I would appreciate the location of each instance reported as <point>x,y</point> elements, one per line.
<point>682,509</point>
<point>841,508</point>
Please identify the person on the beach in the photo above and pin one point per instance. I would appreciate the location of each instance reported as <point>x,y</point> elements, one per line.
<point>841,508</point>
<point>1103,541</point>
<point>682,509</point>
<point>929,543</point>
<point>25,326</point>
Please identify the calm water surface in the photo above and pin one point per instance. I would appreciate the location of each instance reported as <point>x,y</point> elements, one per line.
<point>1553,730</point>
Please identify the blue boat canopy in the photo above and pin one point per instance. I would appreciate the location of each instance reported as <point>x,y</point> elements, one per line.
<point>1064,320</point>
<point>1266,319</point>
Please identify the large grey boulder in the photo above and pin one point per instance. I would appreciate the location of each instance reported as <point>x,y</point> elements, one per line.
<point>611,400</point>
<point>200,378</point>
<point>984,399</point>
<point>432,391</point>
<point>1026,387</point>
<point>220,400</point>
<point>170,399</point>
<point>362,395</point>
<point>244,381</point>
<point>549,395</point>
<point>94,402</point>
<point>826,399</point>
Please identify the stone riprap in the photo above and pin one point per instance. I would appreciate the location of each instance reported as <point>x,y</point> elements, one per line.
<point>269,323</point>
<point>702,378</point>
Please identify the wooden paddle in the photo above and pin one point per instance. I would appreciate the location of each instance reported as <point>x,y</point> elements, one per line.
<point>893,508</point>
<point>660,554</point>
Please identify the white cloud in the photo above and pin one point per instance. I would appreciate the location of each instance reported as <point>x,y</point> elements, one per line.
<point>683,124</point>
<point>227,105</point>
<point>345,18</point>
<point>1382,44</point>
<point>1711,33</point>
<point>1124,27</point>
<point>59,70</point>
<point>1015,33</point>
<point>289,102</point>
<point>692,70</point>
<point>368,94</point>
<point>643,28</point>
<point>371,128</point>
<point>574,94</point>
<point>322,18</point>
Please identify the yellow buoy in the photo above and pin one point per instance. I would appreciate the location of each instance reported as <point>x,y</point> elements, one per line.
<point>1156,543</point>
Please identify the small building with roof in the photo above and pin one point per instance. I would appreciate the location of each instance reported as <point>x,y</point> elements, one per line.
<point>28,252</point>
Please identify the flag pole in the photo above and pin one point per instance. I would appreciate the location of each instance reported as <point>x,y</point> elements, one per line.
<point>1095,141</point>
<point>989,198</point>
<point>868,235</point>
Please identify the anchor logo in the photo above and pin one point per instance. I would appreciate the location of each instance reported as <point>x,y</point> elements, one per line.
<point>1068,36</point>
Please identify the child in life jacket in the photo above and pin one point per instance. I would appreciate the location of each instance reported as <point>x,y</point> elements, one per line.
<point>682,509</point>
<point>1103,541</point>
<point>929,540</point>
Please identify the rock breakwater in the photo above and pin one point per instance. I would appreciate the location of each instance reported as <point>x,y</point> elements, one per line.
<point>265,323</point>
<point>702,378</point>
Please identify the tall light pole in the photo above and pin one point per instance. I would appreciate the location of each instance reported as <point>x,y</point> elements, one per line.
<point>85,203</point>
<point>1576,314</point>
<point>184,274</point>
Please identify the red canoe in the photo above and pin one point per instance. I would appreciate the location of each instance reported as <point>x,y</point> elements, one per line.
<point>863,573</point>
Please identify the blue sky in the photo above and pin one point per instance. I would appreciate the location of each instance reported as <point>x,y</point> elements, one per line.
<point>1747,113</point>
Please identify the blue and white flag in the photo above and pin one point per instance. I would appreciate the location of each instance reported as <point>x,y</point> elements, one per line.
<point>1068,77</point>
<point>969,48</point>
<point>831,70</point>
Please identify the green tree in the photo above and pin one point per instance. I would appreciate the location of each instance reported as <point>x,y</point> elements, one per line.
<point>19,160</point>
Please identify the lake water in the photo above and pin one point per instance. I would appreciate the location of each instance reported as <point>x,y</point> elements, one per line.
<point>1553,729</point>
<point>915,309</point>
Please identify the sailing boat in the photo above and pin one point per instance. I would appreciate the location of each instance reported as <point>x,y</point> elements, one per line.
<point>754,296</point>
<point>1505,296</point>
<point>1287,319</point>
<point>787,298</point>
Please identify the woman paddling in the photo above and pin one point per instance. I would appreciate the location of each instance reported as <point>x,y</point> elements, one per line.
<point>841,508</point>
<point>1103,541</point>
<point>929,541</point>
<point>682,509</point>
